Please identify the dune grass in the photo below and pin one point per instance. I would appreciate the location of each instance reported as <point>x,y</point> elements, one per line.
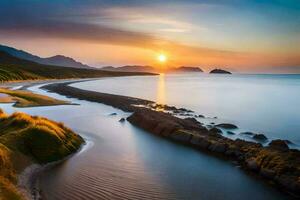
<point>24,98</point>
<point>39,139</point>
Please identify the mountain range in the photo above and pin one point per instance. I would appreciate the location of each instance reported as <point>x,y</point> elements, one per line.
<point>13,68</point>
<point>58,60</point>
<point>138,68</point>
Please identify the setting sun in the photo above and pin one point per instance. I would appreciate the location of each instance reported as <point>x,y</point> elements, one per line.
<point>162,58</point>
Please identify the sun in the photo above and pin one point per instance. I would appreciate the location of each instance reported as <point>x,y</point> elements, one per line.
<point>162,58</point>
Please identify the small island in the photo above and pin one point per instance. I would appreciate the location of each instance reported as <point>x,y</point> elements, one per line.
<point>219,71</point>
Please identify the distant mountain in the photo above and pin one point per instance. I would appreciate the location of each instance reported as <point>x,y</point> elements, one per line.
<point>219,71</point>
<point>13,68</point>
<point>137,68</point>
<point>57,60</point>
<point>187,69</point>
<point>130,68</point>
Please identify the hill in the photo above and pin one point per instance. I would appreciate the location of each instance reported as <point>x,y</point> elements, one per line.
<point>13,68</point>
<point>58,60</point>
<point>138,68</point>
<point>26,139</point>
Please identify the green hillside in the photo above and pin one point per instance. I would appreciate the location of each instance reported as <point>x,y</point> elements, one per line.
<point>12,68</point>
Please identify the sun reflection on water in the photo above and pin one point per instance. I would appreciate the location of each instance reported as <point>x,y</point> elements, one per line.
<point>161,90</point>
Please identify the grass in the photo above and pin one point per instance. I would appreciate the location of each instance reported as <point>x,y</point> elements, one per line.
<point>16,69</point>
<point>40,139</point>
<point>24,98</point>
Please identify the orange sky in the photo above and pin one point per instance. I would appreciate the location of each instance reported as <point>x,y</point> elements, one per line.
<point>242,37</point>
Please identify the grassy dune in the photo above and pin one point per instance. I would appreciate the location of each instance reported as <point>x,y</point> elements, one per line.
<point>13,69</point>
<point>24,98</point>
<point>34,138</point>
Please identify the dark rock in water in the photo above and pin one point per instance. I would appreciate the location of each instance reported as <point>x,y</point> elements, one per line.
<point>185,110</point>
<point>288,142</point>
<point>267,173</point>
<point>219,71</point>
<point>230,133</point>
<point>191,119</point>
<point>122,120</point>
<point>260,137</point>
<point>247,133</point>
<point>217,147</point>
<point>181,136</point>
<point>279,145</point>
<point>215,130</point>
<point>112,114</point>
<point>227,126</point>
<point>201,116</point>
<point>252,164</point>
<point>200,141</point>
<point>215,117</point>
<point>212,122</point>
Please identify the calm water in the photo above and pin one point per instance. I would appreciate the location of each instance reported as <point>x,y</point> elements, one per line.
<point>266,104</point>
<point>124,162</point>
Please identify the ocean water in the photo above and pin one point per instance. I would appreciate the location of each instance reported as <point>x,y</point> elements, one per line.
<point>121,161</point>
<point>267,104</point>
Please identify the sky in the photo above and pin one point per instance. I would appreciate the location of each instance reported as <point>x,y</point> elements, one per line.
<point>240,35</point>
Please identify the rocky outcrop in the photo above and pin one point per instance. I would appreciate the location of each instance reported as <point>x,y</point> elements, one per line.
<point>279,145</point>
<point>275,162</point>
<point>227,126</point>
<point>260,137</point>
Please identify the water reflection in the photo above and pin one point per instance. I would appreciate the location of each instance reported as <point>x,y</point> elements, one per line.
<point>161,89</point>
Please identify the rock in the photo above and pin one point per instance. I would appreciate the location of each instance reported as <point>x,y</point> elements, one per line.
<point>279,145</point>
<point>288,142</point>
<point>219,71</point>
<point>193,120</point>
<point>290,183</point>
<point>260,137</point>
<point>185,110</point>
<point>204,143</point>
<point>267,173</point>
<point>195,140</point>
<point>181,136</point>
<point>252,164</point>
<point>217,147</point>
<point>247,133</point>
<point>230,133</point>
<point>122,120</point>
<point>201,116</point>
<point>112,114</point>
<point>212,122</point>
<point>227,126</point>
<point>215,130</point>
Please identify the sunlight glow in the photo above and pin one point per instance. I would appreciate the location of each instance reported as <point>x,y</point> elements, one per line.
<point>162,58</point>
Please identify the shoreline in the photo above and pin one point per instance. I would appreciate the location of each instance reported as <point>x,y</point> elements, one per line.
<point>28,179</point>
<point>271,163</point>
<point>29,173</point>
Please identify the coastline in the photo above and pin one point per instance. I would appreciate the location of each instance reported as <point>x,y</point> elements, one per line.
<point>252,157</point>
<point>28,171</point>
<point>28,179</point>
